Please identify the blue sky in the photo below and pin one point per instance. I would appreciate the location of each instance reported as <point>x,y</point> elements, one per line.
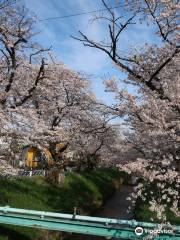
<point>83,59</point>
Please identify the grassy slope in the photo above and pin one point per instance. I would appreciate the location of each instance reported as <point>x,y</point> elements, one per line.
<point>86,191</point>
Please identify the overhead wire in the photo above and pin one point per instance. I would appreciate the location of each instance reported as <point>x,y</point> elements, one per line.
<point>81,13</point>
<point>70,15</point>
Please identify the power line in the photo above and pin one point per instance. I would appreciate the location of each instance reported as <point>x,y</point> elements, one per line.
<point>82,13</point>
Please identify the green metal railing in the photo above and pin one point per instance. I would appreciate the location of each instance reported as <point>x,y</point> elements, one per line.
<point>106,227</point>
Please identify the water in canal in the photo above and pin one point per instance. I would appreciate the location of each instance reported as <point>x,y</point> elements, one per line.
<point>115,207</point>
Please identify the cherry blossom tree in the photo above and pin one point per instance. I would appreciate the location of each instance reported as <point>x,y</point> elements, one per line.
<point>71,111</point>
<point>153,114</point>
<point>7,3</point>
<point>15,41</point>
<point>42,101</point>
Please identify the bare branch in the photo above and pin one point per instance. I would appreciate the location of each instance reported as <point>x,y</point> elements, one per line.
<point>38,52</point>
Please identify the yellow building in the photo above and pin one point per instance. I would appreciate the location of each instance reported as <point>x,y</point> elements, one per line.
<point>32,157</point>
<point>31,160</point>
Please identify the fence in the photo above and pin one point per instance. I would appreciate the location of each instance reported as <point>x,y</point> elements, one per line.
<point>30,173</point>
<point>23,173</point>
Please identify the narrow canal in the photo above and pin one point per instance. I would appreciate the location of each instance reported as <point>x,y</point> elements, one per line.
<point>115,207</point>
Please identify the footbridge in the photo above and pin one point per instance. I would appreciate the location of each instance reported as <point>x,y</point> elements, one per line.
<point>105,227</point>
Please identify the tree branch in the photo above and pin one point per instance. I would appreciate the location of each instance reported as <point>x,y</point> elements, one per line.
<point>40,76</point>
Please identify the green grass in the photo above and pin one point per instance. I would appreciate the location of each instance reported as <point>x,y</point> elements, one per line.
<point>86,191</point>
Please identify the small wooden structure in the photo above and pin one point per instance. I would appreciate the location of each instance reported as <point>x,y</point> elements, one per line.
<point>32,157</point>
